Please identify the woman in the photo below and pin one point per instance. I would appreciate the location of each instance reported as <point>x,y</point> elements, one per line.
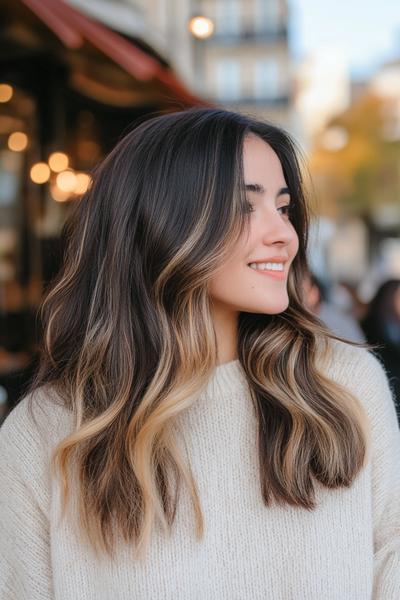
<point>381,326</point>
<point>210,438</point>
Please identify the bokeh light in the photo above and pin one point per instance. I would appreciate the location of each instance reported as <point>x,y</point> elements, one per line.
<point>66,181</point>
<point>6,92</point>
<point>40,172</point>
<point>58,162</point>
<point>58,195</point>
<point>17,141</point>
<point>201,27</point>
<point>335,138</point>
<point>82,183</point>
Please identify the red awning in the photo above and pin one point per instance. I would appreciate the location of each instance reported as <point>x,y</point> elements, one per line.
<point>73,28</point>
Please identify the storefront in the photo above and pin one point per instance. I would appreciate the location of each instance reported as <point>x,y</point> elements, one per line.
<point>69,88</point>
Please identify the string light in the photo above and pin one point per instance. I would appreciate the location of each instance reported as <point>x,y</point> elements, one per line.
<point>201,27</point>
<point>40,172</point>
<point>58,162</point>
<point>6,92</point>
<point>17,141</point>
<point>82,183</point>
<point>66,181</point>
<point>57,194</point>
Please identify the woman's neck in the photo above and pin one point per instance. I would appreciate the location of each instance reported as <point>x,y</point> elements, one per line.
<point>225,325</point>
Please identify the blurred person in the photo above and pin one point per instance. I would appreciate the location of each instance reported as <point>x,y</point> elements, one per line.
<point>193,431</point>
<point>381,325</point>
<point>338,321</point>
<point>346,295</point>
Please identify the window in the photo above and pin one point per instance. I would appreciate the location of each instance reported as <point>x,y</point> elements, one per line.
<point>227,17</point>
<point>266,15</point>
<point>228,79</point>
<point>266,78</point>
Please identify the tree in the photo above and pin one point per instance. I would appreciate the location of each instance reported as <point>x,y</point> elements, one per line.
<point>363,173</point>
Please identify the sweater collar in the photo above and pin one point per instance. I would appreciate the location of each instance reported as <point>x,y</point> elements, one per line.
<point>227,379</point>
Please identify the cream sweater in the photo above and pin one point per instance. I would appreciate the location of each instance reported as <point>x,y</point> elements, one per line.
<point>346,549</point>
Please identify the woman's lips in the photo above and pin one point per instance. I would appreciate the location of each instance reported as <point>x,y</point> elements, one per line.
<point>267,272</point>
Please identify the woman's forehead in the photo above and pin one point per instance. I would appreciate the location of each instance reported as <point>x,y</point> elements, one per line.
<point>261,165</point>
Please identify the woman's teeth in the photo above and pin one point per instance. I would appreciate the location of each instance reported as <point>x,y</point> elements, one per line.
<point>269,266</point>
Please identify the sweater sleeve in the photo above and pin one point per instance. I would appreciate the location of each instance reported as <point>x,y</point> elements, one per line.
<point>385,457</point>
<point>25,566</point>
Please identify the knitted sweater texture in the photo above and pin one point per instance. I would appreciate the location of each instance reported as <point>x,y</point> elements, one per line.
<point>348,548</point>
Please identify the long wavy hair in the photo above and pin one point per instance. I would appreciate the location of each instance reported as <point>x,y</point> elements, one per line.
<point>129,341</point>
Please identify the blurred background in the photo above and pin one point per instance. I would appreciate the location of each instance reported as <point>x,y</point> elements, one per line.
<point>75,76</point>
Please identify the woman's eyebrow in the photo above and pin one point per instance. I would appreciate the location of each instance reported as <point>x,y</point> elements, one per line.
<point>254,187</point>
<point>259,189</point>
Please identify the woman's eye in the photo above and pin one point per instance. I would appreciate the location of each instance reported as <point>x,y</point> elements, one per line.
<point>287,210</point>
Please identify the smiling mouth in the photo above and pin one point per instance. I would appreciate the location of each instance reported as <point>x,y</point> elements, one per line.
<point>272,267</point>
<point>269,269</point>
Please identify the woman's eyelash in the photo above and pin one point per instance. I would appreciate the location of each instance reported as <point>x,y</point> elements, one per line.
<point>287,208</point>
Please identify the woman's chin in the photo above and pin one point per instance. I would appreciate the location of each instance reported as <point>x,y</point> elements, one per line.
<point>271,308</point>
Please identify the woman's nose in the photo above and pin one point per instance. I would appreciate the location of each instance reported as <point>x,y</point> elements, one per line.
<point>277,229</point>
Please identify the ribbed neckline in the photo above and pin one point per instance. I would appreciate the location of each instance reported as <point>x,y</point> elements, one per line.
<point>229,364</point>
<point>227,378</point>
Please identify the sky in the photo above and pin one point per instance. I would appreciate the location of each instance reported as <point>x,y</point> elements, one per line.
<point>366,31</point>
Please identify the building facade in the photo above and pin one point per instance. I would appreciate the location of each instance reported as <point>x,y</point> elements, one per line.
<point>243,65</point>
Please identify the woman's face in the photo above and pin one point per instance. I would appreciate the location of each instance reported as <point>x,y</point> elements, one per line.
<point>254,278</point>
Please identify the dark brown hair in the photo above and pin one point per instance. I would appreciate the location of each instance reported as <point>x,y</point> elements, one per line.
<point>129,340</point>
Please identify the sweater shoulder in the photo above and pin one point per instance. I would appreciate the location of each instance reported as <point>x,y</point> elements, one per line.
<point>28,438</point>
<point>348,361</point>
<point>36,425</point>
<point>360,371</point>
